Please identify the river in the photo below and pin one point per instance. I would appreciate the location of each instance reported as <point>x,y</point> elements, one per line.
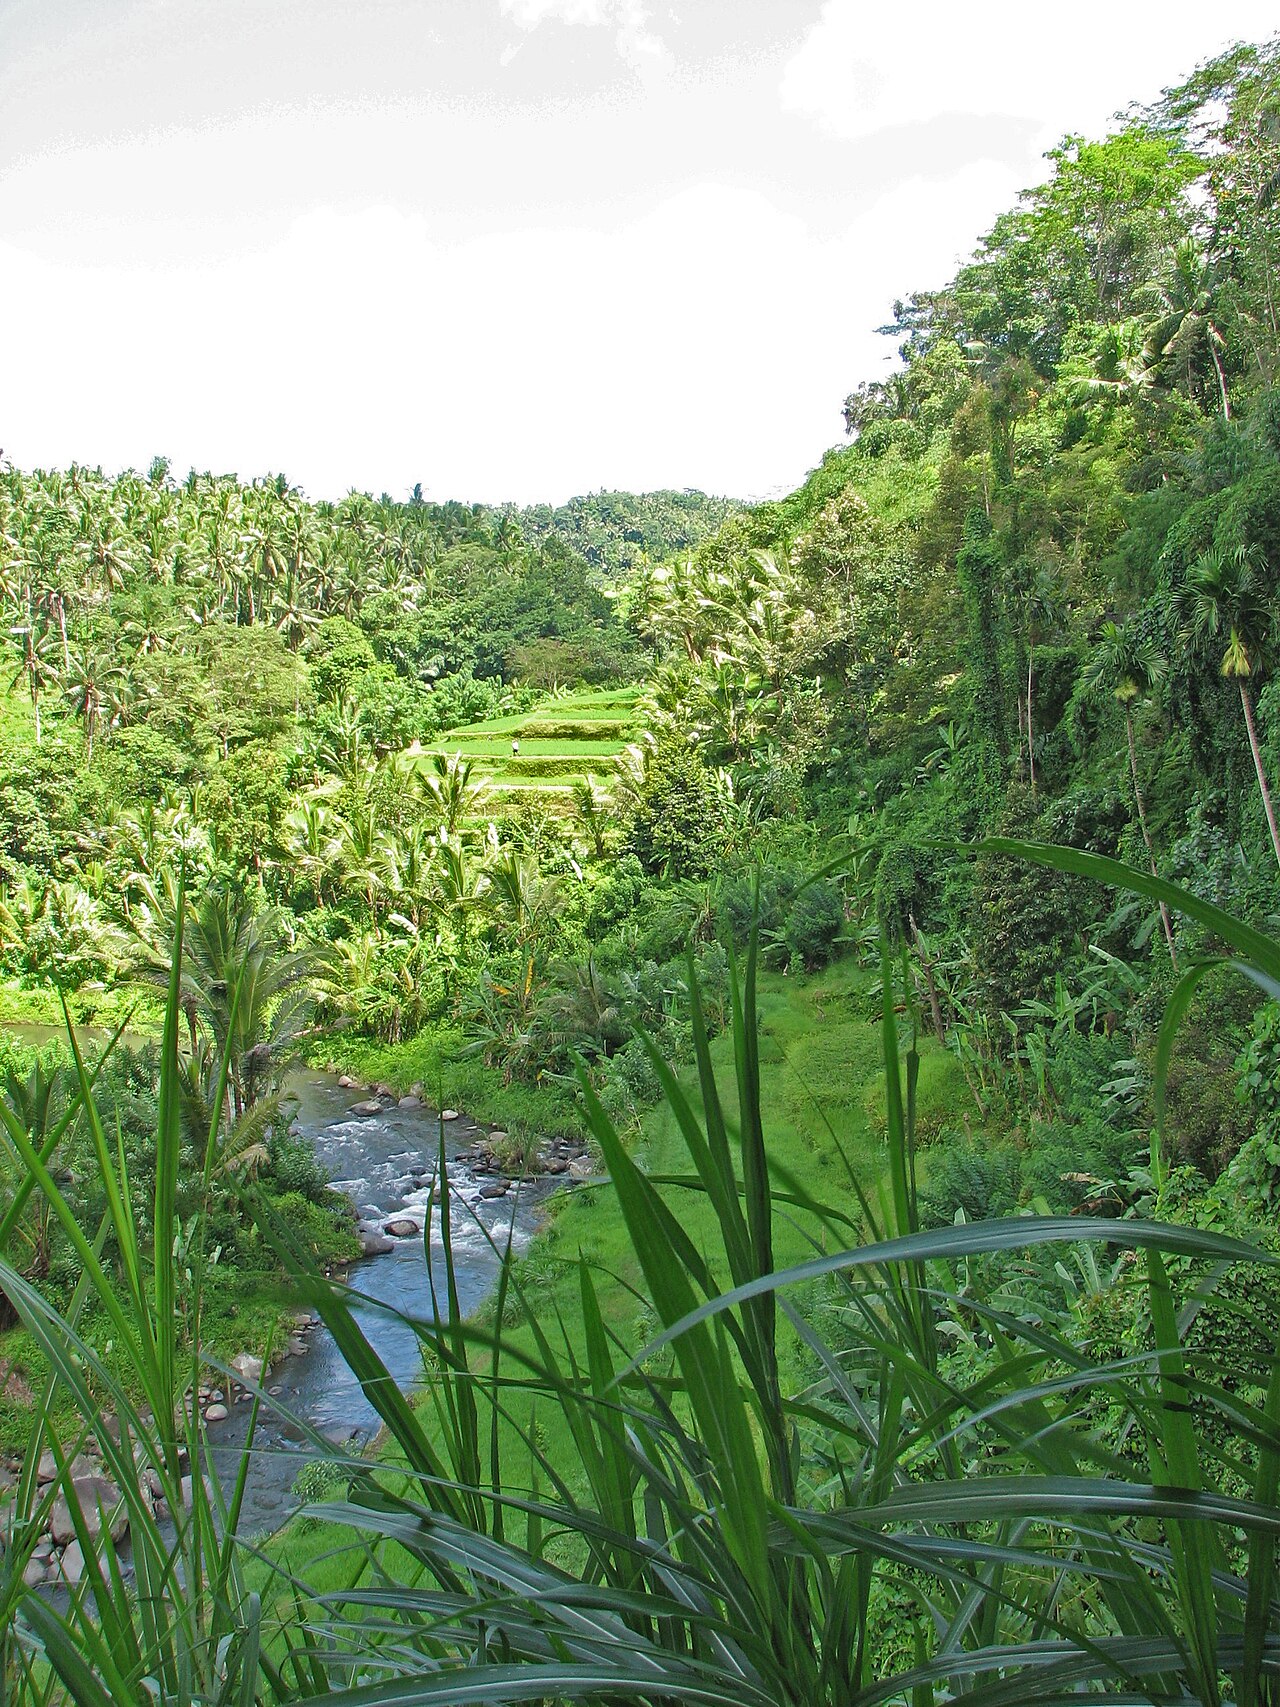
<point>373,1159</point>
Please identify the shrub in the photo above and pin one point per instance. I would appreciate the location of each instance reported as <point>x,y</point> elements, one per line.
<point>815,922</point>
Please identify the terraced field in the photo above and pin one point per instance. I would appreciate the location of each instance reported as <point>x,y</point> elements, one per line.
<point>561,742</point>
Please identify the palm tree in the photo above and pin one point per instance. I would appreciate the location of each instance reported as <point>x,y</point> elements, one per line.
<point>35,647</point>
<point>592,804</point>
<point>311,842</point>
<point>1127,664</point>
<point>1225,596</point>
<point>363,851</point>
<point>529,900</point>
<point>244,985</point>
<point>449,792</point>
<point>89,688</point>
<point>1185,327</point>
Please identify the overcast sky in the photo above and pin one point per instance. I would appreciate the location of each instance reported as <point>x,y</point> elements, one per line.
<point>512,249</point>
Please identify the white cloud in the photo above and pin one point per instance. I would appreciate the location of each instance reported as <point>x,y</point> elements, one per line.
<point>628,18</point>
<point>859,71</point>
<point>708,343</point>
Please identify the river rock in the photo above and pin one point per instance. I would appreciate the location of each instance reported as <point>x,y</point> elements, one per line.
<point>498,1136</point>
<point>216,1413</point>
<point>365,1109</point>
<point>557,1165</point>
<point>47,1468</point>
<point>347,1083</point>
<point>409,1101</point>
<point>375,1244</point>
<point>402,1228</point>
<point>449,1114</point>
<point>71,1565</point>
<point>581,1167</point>
<point>34,1572</point>
<point>246,1369</point>
<point>381,1090</point>
<point>498,1188</point>
<point>96,1499</point>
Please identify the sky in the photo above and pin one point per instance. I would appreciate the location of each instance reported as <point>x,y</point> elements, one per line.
<point>512,249</point>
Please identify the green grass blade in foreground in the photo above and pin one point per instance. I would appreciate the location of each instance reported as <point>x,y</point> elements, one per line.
<point>1261,1572</point>
<point>705,1362</point>
<point>168,1155</point>
<point>1177,1462</point>
<point>973,1239</point>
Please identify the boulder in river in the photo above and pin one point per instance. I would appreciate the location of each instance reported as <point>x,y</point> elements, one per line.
<point>216,1413</point>
<point>449,1114</point>
<point>369,1107</point>
<point>402,1228</point>
<point>375,1244</point>
<point>497,1188</point>
<point>247,1369</point>
<point>347,1083</point>
<point>410,1101</point>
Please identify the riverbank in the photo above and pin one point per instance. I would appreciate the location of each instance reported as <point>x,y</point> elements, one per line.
<point>24,1005</point>
<point>437,1060</point>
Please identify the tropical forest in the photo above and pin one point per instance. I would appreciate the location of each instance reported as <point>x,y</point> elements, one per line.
<point>664,1099</point>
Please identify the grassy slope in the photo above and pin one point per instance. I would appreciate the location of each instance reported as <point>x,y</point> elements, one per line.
<point>822,1094</point>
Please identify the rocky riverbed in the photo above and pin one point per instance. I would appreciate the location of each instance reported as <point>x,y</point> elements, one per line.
<point>382,1152</point>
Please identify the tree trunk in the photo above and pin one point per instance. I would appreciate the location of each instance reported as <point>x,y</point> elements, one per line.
<point>35,707</point>
<point>935,1006</point>
<point>1142,821</point>
<point>1247,702</point>
<point>1031,751</point>
<point>1222,380</point>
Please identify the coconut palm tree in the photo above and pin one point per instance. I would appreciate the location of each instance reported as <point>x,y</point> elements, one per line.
<point>311,842</point>
<point>35,645</point>
<point>246,987</point>
<point>1127,664</point>
<point>1228,602</point>
<point>449,791</point>
<point>1184,332</point>
<point>90,687</point>
<point>593,807</point>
